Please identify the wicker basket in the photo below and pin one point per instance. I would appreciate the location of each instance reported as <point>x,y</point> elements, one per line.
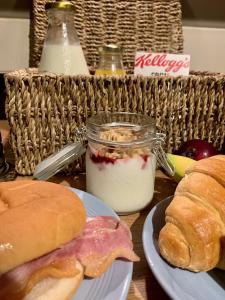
<point>153,25</point>
<point>43,111</point>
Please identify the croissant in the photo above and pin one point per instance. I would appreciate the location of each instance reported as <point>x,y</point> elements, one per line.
<point>193,237</point>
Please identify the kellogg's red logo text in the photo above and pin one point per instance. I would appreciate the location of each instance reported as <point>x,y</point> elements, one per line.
<point>161,64</point>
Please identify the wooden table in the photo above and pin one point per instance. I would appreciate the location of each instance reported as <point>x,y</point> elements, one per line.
<point>144,284</point>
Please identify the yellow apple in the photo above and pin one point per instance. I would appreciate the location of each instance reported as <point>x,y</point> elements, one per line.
<point>180,164</point>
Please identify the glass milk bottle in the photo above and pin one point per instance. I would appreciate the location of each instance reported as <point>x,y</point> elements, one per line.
<point>62,52</point>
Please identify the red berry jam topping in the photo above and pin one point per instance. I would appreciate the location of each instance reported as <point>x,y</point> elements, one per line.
<point>98,159</point>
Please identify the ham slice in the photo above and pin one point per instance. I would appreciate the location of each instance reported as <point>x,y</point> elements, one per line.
<point>102,241</point>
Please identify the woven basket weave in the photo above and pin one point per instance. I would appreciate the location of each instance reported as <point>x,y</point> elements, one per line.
<point>153,25</point>
<point>43,111</point>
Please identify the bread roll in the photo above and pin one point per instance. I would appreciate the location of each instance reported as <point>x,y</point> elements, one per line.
<point>35,218</point>
<point>56,289</point>
<point>193,235</point>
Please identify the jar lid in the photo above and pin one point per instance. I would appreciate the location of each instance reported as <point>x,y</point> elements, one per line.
<point>110,48</point>
<point>58,161</point>
<point>60,4</point>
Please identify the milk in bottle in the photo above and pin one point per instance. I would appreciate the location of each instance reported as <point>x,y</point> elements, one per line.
<point>62,52</point>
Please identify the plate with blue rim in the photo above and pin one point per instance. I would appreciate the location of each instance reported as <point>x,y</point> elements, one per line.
<point>179,284</point>
<point>115,282</point>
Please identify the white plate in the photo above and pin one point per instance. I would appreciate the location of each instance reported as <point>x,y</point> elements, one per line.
<point>115,283</point>
<point>179,284</point>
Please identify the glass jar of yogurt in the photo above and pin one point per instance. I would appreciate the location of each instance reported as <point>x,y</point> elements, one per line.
<point>121,160</point>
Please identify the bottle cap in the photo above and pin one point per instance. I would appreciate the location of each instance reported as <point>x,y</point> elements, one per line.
<point>60,4</point>
<point>110,48</point>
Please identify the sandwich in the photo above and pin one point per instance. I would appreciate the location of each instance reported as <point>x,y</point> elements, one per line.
<point>48,244</point>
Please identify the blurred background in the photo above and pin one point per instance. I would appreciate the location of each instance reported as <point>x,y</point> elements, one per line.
<point>203,29</point>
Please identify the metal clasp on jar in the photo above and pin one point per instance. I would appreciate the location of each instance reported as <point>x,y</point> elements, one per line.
<point>81,135</point>
<point>160,154</point>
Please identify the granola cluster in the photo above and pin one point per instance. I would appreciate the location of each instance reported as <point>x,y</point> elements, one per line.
<point>119,135</point>
<point>117,151</point>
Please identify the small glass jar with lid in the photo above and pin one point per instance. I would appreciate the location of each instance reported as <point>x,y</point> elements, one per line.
<point>110,60</point>
<point>122,150</point>
<point>121,159</point>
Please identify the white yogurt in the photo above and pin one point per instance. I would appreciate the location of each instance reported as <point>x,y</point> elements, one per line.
<point>127,184</point>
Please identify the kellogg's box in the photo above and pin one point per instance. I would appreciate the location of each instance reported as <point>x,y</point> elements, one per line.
<point>161,64</point>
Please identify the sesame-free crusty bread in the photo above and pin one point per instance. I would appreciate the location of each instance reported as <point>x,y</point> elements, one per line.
<point>193,237</point>
<point>36,217</point>
<point>57,288</point>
